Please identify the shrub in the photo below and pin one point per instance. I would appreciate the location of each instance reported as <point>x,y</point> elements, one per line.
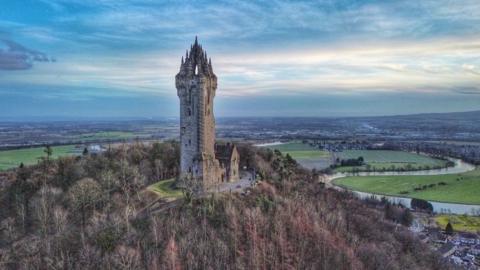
<point>107,239</point>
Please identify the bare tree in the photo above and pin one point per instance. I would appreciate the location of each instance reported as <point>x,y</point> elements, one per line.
<point>84,196</point>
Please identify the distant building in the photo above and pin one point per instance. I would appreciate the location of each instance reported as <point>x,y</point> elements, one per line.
<point>476,250</point>
<point>95,149</point>
<point>424,238</point>
<point>202,164</point>
<point>447,249</point>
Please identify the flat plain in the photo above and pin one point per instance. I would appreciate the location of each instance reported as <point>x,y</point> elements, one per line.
<point>307,155</point>
<point>387,160</point>
<point>13,158</point>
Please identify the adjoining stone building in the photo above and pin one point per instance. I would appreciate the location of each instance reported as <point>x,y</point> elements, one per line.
<point>203,164</point>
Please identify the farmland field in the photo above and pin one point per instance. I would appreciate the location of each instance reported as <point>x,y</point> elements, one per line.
<point>13,158</point>
<point>308,156</point>
<point>454,188</point>
<point>388,160</point>
<point>111,135</point>
<point>462,223</point>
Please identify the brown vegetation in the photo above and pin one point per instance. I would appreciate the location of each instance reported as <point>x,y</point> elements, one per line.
<point>82,213</point>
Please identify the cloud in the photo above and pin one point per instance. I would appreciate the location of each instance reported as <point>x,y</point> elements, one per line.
<point>14,56</point>
<point>467,90</point>
<point>471,68</point>
<point>258,47</point>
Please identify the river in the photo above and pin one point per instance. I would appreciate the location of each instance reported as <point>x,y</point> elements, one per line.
<point>438,207</point>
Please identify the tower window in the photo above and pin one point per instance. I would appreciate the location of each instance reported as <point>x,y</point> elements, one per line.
<point>189,111</point>
<point>189,142</point>
<point>196,70</point>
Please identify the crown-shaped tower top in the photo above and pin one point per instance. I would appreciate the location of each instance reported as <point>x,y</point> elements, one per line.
<point>196,62</point>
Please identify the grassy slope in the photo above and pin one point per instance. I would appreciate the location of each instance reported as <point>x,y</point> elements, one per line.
<point>464,190</point>
<point>13,158</point>
<point>165,189</point>
<point>459,223</point>
<point>385,159</point>
<point>298,150</point>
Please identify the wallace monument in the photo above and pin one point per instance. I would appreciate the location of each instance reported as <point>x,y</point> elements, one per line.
<point>203,163</point>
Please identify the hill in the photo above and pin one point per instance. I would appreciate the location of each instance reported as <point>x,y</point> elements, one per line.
<point>95,212</point>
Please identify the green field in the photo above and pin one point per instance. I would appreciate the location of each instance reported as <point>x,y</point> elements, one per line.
<point>386,160</point>
<point>166,189</point>
<point>455,188</point>
<point>462,223</point>
<point>300,151</point>
<point>13,158</point>
<point>112,135</point>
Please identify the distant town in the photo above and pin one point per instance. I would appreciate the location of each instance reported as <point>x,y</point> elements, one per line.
<point>449,134</point>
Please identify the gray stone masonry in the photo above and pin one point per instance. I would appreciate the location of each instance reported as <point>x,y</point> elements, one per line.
<point>196,86</point>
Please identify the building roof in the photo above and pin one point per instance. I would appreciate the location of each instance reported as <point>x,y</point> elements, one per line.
<point>468,235</point>
<point>446,248</point>
<point>223,152</point>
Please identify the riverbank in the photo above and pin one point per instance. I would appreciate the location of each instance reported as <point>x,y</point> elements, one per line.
<point>465,189</point>
<point>461,188</point>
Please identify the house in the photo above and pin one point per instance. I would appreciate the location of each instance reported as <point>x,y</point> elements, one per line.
<point>95,149</point>
<point>467,238</point>
<point>476,250</point>
<point>469,258</point>
<point>447,249</point>
<point>441,238</point>
<point>423,238</point>
<point>456,260</point>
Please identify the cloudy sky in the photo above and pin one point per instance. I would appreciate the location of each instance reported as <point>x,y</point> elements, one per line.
<point>116,58</point>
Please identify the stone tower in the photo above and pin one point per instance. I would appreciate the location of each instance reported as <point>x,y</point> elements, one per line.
<point>196,85</point>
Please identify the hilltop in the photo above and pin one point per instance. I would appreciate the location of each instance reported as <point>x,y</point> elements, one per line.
<point>92,212</point>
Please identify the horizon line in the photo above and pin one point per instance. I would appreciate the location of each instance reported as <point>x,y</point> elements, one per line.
<point>146,118</point>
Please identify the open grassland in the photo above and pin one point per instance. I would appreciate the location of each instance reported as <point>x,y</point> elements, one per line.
<point>13,158</point>
<point>166,189</point>
<point>454,188</point>
<point>386,160</point>
<point>461,223</point>
<point>298,150</point>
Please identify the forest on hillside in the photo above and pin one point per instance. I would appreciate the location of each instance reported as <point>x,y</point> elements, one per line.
<point>89,212</point>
